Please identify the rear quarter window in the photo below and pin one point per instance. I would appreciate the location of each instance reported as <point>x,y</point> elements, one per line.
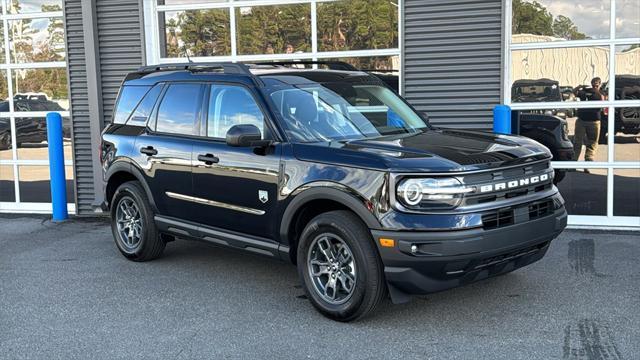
<point>129,98</point>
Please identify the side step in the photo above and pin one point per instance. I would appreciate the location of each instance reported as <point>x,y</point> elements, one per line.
<point>234,240</point>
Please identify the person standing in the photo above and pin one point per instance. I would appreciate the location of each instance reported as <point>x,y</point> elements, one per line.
<point>587,130</point>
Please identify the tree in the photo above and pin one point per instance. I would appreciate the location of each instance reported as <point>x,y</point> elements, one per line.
<point>201,32</point>
<point>357,25</point>
<point>264,29</point>
<point>564,28</point>
<point>531,18</point>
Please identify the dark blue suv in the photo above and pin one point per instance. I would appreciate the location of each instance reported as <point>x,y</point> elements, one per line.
<point>328,169</point>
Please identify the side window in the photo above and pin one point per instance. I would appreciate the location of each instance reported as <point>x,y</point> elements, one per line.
<point>232,105</point>
<point>179,109</point>
<point>129,97</point>
<point>142,112</point>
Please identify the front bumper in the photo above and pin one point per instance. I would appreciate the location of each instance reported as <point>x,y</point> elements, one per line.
<point>445,259</point>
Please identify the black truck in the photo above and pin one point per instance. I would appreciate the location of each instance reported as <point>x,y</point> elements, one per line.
<point>330,170</point>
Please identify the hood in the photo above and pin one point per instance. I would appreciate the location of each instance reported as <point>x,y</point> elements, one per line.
<point>429,151</point>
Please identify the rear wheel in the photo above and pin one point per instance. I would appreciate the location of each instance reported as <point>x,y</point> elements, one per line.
<point>340,267</point>
<point>132,224</point>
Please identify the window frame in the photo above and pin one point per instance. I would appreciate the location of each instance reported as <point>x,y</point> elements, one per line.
<point>577,221</point>
<point>152,36</point>
<point>8,67</point>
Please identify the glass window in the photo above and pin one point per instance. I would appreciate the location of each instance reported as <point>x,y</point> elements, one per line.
<point>385,64</point>
<point>7,187</point>
<point>4,92</point>
<point>338,111</point>
<point>570,134</point>
<point>142,112</point>
<point>277,29</point>
<point>5,139</point>
<point>626,197</point>
<point>129,97</point>
<point>201,32</point>
<point>229,106</point>
<point>357,25</point>
<point>627,18</point>
<point>557,20</point>
<point>628,60</point>
<point>40,89</point>
<point>35,184</point>
<point>538,74</point>
<point>2,52</point>
<point>36,40</point>
<point>31,137</point>
<point>585,191</point>
<point>179,109</point>
<point>183,2</point>
<point>627,118</point>
<point>295,64</point>
<point>33,6</point>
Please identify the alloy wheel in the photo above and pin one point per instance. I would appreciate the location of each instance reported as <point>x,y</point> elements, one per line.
<point>332,268</point>
<point>129,222</point>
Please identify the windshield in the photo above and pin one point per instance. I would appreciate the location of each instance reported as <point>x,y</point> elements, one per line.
<point>342,111</point>
<point>535,93</point>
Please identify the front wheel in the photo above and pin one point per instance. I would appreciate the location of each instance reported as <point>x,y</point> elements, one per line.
<point>132,224</point>
<point>340,267</point>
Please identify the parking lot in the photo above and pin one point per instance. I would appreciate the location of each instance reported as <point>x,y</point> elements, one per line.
<point>65,292</point>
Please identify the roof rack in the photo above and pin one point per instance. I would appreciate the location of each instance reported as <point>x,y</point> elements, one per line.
<point>225,67</point>
<point>332,65</point>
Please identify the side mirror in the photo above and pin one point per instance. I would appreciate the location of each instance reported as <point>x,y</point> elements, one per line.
<point>245,135</point>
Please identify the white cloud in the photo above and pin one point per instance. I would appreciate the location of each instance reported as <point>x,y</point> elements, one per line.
<point>590,16</point>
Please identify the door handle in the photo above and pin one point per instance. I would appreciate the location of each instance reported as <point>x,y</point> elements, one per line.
<point>149,150</point>
<point>208,159</point>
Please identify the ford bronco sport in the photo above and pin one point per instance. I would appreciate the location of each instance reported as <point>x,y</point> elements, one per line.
<point>330,170</point>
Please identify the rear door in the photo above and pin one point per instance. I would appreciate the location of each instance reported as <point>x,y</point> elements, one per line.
<point>165,148</point>
<point>237,190</point>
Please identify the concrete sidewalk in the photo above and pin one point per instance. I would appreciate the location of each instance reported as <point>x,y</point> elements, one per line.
<point>66,292</point>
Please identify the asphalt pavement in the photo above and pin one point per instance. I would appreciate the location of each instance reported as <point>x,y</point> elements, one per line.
<point>66,293</point>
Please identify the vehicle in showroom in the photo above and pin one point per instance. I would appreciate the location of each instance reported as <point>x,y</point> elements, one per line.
<point>627,118</point>
<point>330,170</point>
<point>548,127</point>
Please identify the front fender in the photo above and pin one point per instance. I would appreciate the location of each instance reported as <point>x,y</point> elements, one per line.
<point>325,190</point>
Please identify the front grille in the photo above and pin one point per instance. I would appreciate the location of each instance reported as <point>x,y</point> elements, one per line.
<point>540,209</point>
<point>507,216</point>
<point>506,175</point>
<point>498,219</point>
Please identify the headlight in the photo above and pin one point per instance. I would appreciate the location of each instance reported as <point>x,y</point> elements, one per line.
<point>431,193</point>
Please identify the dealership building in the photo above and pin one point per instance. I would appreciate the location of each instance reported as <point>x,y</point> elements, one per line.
<point>454,60</point>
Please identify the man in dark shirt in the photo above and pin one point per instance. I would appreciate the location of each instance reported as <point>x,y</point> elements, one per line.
<point>587,130</point>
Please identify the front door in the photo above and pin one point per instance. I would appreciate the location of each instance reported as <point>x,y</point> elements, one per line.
<point>236,188</point>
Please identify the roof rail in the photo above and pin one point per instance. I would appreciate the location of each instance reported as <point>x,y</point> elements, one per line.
<point>332,65</point>
<point>225,67</point>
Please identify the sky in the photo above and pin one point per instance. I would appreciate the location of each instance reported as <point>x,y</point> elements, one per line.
<point>592,16</point>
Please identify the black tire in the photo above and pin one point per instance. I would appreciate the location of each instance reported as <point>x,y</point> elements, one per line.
<point>370,287</point>
<point>149,244</point>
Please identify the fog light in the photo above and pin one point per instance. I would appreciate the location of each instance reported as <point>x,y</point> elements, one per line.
<point>414,249</point>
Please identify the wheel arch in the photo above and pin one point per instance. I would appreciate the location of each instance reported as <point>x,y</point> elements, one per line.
<point>314,201</point>
<point>118,174</point>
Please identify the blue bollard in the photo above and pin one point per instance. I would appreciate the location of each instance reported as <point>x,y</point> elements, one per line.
<point>56,167</point>
<point>502,119</point>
